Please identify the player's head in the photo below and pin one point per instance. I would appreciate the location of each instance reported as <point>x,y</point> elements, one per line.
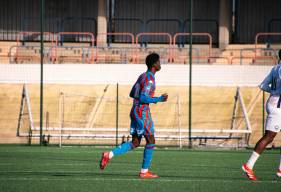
<point>153,61</point>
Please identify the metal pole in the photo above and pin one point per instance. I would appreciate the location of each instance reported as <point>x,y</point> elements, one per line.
<point>61,115</point>
<point>190,74</point>
<point>179,121</point>
<point>263,120</point>
<point>117,112</point>
<point>41,67</point>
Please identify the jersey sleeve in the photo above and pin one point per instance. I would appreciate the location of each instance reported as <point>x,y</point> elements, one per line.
<point>276,81</point>
<point>146,86</point>
<point>267,82</point>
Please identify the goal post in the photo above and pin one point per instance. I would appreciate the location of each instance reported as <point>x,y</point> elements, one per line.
<point>25,121</point>
<point>89,118</point>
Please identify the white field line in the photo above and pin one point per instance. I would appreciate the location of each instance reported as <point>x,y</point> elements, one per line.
<point>159,180</point>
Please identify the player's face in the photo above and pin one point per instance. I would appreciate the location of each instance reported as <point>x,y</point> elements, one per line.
<point>158,65</point>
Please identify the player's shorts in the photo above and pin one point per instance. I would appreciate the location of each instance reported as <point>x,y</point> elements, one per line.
<point>273,108</point>
<point>141,121</point>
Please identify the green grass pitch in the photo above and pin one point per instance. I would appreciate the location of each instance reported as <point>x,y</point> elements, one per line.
<point>35,168</point>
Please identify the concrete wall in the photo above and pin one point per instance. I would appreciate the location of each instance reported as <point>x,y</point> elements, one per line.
<point>206,75</point>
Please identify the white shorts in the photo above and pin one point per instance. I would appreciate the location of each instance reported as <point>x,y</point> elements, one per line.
<point>273,120</point>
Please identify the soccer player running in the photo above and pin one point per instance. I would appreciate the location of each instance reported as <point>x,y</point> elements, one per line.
<point>272,85</point>
<point>141,121</point>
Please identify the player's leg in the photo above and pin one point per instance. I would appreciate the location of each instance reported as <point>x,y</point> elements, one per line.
<point>148,151</point>
<point>279,171</point>
<point>136,125</point>
<point>264,141</point>
<point>121,149</point>
<point>272,127</point>
<point>259,148</point>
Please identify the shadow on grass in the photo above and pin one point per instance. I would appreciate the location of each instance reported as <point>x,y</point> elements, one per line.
<point>117,176</point>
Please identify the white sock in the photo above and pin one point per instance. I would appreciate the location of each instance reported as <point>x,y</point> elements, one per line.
<point>280,164</point>
<point>144,170</point>
<point>251,162</point>
<point>111,154</point>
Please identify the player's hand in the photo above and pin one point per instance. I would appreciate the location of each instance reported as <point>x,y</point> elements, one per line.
<point>164,97</point>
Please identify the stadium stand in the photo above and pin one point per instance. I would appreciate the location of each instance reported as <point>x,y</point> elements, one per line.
<point>87,50</point>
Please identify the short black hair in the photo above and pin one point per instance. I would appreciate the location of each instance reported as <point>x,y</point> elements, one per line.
<point>151,59</point>
<point>279,54</point>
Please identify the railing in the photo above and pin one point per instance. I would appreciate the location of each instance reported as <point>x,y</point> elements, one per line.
<point>16,56</point>
<point>75,34</point>
<point>137,20</point>
<point>153,34</point>
<point>170,21</point>
<point>249,54</point>
<point>195,34</point>
<point>270,22</point>
<point>178,21</point>
<point>210,59</point>
<point>264,34</point>
<point>202,22</point>
<point>22,35</point>
<point>182,55</point>
<point>130,35</point>
<point>72,54</point>
<point>143,25</point>
<point>101,49</point>
<point>132,53</point>
<point>82,19</point>
<point>169,58</point>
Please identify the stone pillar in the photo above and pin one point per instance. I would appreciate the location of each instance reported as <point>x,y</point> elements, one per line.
<point>224,23</point>
<point>101,22</point>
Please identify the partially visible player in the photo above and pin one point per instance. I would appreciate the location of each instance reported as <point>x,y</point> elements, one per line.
<point>272,85</point>
<point>141,121</point>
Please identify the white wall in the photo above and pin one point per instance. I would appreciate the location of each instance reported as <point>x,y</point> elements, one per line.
<point>206,75</point>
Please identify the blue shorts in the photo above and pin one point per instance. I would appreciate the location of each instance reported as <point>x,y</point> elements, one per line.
<point>141,121</point>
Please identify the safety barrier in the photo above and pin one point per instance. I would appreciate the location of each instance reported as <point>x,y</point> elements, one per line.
<point>92,50</point>
<point>22,35</point>
<point>80,19</point>
<point>116,55</point>
<point>175,25</point>
<point>252,55</point>
<point>270,23</point>
<point>181,55</point>
<point>136,21</point>
<point>60,37</point>
<point>214,31</point>
<point>69,54</point>
<point>140,35</point>
<point>102,50</point>
<point>125,34</point>
<point>28,53</point>
<point>195,34</point>
<point>254,59</point>
<point>264,34</point>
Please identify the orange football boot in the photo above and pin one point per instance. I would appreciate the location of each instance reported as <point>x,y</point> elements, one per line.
<point>249,172</point>
<point>148,175</point>
<point>104,160</point>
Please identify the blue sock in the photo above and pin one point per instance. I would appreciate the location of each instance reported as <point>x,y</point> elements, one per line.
<point>147,155</point>
<point>123,148</point>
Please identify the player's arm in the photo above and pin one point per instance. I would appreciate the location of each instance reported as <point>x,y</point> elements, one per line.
<point>144,95</point>
<point>145,98</point>
<point>267,83</point>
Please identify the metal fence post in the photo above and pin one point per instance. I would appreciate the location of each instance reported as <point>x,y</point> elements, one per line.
<point>117,112</point>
